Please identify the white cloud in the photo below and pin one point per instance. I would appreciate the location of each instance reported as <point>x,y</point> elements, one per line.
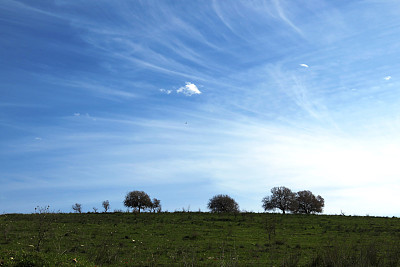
<point>304,65</point>
<point>77,114</point>
<point>165,91</point>
<point>189,89</point>
<point>387,78</point>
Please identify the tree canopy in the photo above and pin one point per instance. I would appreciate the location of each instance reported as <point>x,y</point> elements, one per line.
<point>308,203</point>
<point>223,203</point>
<point>137,200</point>
<point>282,198</point>
<point>301,202</point>
<point>156,205</point>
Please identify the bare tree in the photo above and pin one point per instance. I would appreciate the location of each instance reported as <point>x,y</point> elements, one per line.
<point>95,209</point>
<point>77,207</point>
<point>156,205</point>
<point>106,205</point>
<point>308,203</point>
<point>43,225</point>
<point>137,200</point>
<point>282,198</point>
<point>223,203</point>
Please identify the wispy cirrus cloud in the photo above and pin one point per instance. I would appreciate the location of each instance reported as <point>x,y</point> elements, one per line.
<point>296,87</point>
<point>99,88</point>
<point>265,120</point>
<point>283,15</point>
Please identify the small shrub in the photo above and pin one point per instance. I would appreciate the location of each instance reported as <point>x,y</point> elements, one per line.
<point>6,233</point>
<point>118,211</point>
<point>106,254</point>
<point>291,261</point>
<point>270,227</point>
<point>192,236</point>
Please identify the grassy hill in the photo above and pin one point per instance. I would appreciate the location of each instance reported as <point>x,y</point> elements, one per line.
<point>197,239</point>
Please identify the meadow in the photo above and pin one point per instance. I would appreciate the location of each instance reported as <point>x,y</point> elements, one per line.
<point>197,239</point>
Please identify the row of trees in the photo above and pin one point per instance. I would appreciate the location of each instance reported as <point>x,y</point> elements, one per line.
<point>78,207</point>
<point>137,200</point>
<point>301,202</point>
<point>282,198</point>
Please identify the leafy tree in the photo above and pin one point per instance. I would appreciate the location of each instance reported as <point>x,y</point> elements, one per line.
<point>308,203</point>
<point>77,207</point>
<point>106,205</point>
<point>223,203</point>
<point>156,205</point>
<point>137,200</point>
<point>282,198</point>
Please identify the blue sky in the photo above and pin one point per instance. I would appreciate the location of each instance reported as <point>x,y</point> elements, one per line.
<point>188,99</point>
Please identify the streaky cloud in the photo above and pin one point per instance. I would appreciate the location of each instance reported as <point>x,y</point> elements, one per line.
<point>284,17</point>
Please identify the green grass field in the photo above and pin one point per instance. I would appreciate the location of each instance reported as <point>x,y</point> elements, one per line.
<point>197,239</point>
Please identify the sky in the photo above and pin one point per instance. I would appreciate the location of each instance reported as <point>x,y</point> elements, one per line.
<point>189,99</point>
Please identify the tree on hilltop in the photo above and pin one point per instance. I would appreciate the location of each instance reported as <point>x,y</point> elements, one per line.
<point>308,203</point>
<point>106,205</point>
<point>282,198</point>
<point>301,202</point>
<point>156,205</point>
<point>77,207</point>
<point>137,200</point>
<point>223,203</point>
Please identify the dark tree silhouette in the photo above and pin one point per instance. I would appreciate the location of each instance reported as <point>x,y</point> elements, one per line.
<point>282,198</point>
<point>308,203</point>
<point>77,207</point>
<point>106,205</point>
<point>137,200</point>
<point>223,203</point>
<point>156,205</point>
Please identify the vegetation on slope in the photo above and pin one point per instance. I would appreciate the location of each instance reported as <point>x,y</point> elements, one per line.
<point>197,239</point>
